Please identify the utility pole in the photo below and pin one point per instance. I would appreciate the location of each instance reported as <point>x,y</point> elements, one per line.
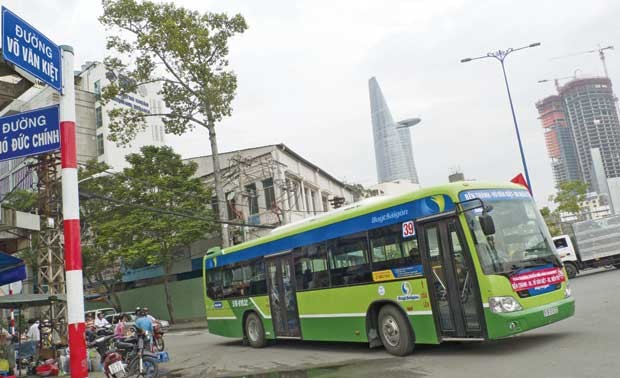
<point>500,56</point>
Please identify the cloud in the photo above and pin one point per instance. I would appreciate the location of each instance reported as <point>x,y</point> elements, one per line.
<point>303,68</point>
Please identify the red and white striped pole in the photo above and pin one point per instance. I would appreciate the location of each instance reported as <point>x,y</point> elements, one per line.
<point>71,220</point>
<point>11,315</point>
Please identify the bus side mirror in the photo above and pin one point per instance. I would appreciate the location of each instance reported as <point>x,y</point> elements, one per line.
<point>487,224</point>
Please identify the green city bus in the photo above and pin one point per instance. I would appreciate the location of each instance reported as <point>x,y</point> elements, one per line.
<point>465,261</point>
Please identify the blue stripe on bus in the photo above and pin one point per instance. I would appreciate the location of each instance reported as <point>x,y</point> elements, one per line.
<point>385,217</point>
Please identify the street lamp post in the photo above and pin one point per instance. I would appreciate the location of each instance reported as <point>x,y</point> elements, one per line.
<point>501,55</point>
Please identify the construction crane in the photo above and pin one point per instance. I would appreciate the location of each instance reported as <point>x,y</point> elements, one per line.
<point>600,51</point>
<point>557,79</point>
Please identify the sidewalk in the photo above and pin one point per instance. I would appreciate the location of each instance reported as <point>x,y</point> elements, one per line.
<point>191,325</point>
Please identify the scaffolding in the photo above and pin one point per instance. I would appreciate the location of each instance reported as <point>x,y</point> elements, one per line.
<point>49,244</point>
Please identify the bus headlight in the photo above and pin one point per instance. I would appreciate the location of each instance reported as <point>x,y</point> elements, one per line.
<point>567,291</point>
<point>504,304</point>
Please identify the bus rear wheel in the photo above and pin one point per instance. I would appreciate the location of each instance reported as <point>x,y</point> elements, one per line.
<point>254,331</point>
<point>395,331</point>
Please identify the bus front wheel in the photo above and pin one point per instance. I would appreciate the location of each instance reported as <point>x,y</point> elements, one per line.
<point>571,269</point>
<point>254,331</point>
<point>395,331</point>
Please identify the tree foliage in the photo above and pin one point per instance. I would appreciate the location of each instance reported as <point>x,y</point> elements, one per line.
<point>183,50</point>
<point>100,266</point>
<point>570,196</point>
<point>21,200</point>
<point>551,221</point>
<point>135,231</point>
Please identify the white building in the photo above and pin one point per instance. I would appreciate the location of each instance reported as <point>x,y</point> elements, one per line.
<point>595,206</point>
<point>394,188</point>
<point>271,185</point>
<point>92,78</point>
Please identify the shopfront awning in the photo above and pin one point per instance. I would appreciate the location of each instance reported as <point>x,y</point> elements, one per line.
<point>12,269</point>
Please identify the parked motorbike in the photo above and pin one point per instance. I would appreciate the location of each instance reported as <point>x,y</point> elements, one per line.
<point>126,358</point>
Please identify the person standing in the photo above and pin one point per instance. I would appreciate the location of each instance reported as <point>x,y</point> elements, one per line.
<point>34,334</point>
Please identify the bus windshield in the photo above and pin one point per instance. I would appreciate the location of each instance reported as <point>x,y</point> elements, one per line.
<point>520,240</point>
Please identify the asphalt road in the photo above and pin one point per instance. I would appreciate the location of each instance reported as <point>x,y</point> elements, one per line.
<point>586,345</point>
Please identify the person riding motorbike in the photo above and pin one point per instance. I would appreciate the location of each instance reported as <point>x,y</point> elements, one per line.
<point>144,323</point>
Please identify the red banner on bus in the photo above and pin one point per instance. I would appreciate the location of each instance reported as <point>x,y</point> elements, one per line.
<point>537,278</point>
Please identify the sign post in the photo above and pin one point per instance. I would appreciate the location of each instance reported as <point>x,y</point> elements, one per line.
<point>29,133</point>
<point>71,221</point>
<point>29,49</point>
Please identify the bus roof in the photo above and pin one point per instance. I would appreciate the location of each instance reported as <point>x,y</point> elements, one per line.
<point>361,208</point>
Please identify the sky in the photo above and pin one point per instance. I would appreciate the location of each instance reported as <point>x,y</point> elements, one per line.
<point>303,70</point>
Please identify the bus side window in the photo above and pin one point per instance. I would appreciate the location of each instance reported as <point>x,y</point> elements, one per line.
<point>311,267</point>
<point>412,251</point>
<point>258,283</point>
<point>349,263</point>
<point>214,283</point>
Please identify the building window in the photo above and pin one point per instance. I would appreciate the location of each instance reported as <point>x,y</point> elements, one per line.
<point>270,194</point>
<point>250,191</point>
<point>99,144</point>
<point>231,206</point>
<point>313,201</point>
<point>97,89</point>
<point>98,117</point>
<point>325,203</point>
<point>215,207</point>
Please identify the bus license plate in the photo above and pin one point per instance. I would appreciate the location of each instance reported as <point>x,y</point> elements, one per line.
<point>550,311</point>
<point>116,367</point>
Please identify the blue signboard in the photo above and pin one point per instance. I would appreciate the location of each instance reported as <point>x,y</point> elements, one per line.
<point>29,49</point>
<point>29,133</point>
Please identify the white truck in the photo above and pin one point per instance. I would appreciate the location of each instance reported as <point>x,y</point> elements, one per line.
<point>596,244</point>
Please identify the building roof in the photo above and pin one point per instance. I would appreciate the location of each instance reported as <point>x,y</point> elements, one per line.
<point>267,149</point>
<point>583,82</point>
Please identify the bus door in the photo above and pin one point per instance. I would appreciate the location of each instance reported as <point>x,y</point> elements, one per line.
<point>282,296</point>
<point>453,286</point>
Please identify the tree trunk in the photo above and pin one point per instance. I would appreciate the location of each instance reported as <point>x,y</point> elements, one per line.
<point>219,189</point>
<point>114,300</point>
<point>167,271</point>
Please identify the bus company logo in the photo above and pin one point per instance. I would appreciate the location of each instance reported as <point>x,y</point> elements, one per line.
<point>406,288</point>
<point>392,215</point>
<point>408,295</point>
<point>217,305</point>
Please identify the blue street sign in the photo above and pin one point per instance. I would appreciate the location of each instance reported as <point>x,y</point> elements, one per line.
<point>29,49</point>
<point>29,133</point>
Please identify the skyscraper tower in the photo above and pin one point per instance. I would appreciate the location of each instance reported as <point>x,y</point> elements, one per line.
<point>393,150</point>
<point>559,139</point>
<point>591,110</point>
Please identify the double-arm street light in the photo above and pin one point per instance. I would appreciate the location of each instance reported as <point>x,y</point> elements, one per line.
<point>501,55</point>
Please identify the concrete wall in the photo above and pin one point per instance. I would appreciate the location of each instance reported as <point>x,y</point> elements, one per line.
<point>187,298</point>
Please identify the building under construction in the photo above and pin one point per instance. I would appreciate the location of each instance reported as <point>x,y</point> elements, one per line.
<point>582,116</point>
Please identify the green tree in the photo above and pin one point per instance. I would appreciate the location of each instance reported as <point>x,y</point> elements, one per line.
<point>21,200</point>
<point>100,266</point>
<point>134,230</point>
<point>570,196</point>
<point>550,219</point>
<point>183,50</point>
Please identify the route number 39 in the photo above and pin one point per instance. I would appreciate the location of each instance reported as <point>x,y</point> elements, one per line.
<point>408,229</point>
